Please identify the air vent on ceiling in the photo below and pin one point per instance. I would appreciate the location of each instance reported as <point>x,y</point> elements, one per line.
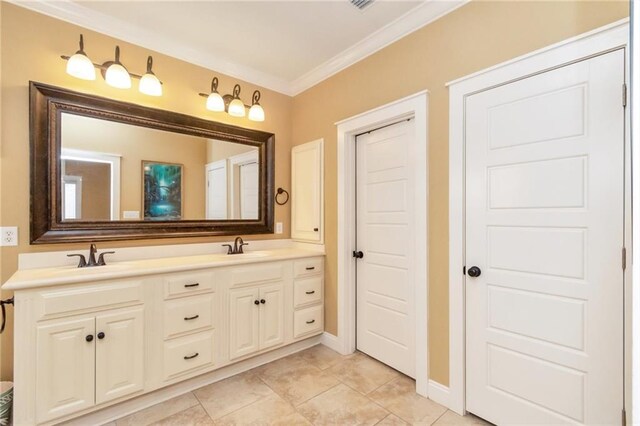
<point>361,4</point>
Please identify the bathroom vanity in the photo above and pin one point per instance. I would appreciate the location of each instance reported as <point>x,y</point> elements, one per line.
<point>88,338</point>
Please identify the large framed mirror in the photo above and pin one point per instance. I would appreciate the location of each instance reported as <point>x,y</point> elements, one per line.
<point>110,170</point>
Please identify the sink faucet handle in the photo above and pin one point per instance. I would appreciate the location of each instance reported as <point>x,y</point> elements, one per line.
<point>240,247</point>
<point>101,261</point>
<point>82,262</point>
<point>230,248</point>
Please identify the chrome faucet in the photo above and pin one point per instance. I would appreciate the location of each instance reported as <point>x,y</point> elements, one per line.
<point>82,263</point>
<point>237,246</point>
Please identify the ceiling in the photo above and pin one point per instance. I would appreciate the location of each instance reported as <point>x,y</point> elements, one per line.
<point>287,46</point>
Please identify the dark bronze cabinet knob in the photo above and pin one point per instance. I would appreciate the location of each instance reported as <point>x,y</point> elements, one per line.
<point>257,302</point>
<point>263,301</point>
<point>474,272</point>
<point>101,335</point>
<point>89,338</point>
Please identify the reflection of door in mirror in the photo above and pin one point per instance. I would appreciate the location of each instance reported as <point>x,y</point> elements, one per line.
<point>90,185</point>
<point>233,174</point>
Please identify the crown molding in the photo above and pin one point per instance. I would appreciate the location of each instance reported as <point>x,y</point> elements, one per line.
<point>74,13</point>
<point>77,14</point>
<point>411,21</point>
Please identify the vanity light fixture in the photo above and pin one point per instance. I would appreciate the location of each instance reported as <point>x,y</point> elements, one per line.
<point>79,65</point>
<point>149,83</point>
<point>232,104</point>
<point>114,72</point>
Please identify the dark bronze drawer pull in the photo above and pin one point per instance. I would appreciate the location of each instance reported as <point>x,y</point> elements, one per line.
<point>310,268</point>
<point>191,356</point>
<point>311,322</point>
<point>191,285</point>
<point>191,318</point>
<point>310,292</point>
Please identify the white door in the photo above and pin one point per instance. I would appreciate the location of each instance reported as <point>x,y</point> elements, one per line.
<point>65,368</point>
<point>307,175</point>
<point>119,354</point>
<point>271,316</point>
<point>385,275</point>
<point>544,223</point>
<point>249,191</point>
<point>244,322</point>
<point>217,190</point>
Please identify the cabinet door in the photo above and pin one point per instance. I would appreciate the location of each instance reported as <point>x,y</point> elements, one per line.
<point>65,368</point>
<point>244,321</point>
<point>307,175</point>
<point>119,354</point>
<point>271,316</point>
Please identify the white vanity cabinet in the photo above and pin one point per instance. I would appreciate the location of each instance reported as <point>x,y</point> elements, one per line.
<point>86,351</point>
<point>87,344</point>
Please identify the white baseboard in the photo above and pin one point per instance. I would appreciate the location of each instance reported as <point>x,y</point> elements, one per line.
<point>332,342</point>
<point>131,406</point>
<point>439,393</point>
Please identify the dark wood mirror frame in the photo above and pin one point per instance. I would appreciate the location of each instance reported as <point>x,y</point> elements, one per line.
<point>47,103</point>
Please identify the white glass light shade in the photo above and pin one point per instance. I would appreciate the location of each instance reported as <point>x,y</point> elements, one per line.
<point>256,113</point>
<point>150,85</point>
<point>215,102</point>
<point>80,66</point>
<point>118,76</point>
<point>236,108</point>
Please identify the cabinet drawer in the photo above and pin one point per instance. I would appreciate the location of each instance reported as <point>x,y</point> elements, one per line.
<point>188,314</point>
<point>307,291</point>
<point>87,297</point>
<point>311,266</point>
<point>257,273</point>
<point>189,353</point>
<point>183,284</point>
<point>307,321</point>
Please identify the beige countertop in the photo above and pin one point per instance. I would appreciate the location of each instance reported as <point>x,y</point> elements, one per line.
<point>45,277</point>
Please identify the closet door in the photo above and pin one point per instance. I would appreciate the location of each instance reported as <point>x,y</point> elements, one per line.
<point>307,194</point>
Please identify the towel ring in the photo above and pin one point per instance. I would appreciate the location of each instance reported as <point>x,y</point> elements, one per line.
<point>282,191</point>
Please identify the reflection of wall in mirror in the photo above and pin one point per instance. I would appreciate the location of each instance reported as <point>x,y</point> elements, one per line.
<point>135,144</point>
<point>232,180</point>
<point>95,200</point>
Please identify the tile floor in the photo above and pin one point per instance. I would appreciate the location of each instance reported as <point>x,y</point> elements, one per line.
<point>317,386</point>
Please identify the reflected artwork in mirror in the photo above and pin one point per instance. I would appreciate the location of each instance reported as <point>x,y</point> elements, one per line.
<point>113,170</point>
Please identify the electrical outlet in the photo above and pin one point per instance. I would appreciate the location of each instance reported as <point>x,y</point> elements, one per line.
<point>9,236</point>
<point>278,227</point>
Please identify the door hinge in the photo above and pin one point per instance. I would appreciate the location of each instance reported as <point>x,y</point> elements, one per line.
<point>624,417</point>
<point>624,258</point>
<point>624,94</point>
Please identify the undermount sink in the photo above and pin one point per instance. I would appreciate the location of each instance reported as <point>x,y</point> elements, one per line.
<point>248,254</point>
<point>66,270</point>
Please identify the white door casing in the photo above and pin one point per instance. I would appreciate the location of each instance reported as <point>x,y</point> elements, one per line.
<point>415,106</point>
<point>385,217</point>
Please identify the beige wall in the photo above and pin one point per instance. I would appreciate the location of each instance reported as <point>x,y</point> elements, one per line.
<point>476,36</point>
<point>136,144</point>
<point>95,198</point>
<point>220,150</point>
<point>31,45</point>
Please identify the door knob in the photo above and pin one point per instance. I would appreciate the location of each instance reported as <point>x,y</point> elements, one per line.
<point>358,254</point>
<point>474,271</point>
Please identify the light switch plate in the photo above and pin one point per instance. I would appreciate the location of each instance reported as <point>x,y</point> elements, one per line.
<point>8,236</point>
<point>278,227</point>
